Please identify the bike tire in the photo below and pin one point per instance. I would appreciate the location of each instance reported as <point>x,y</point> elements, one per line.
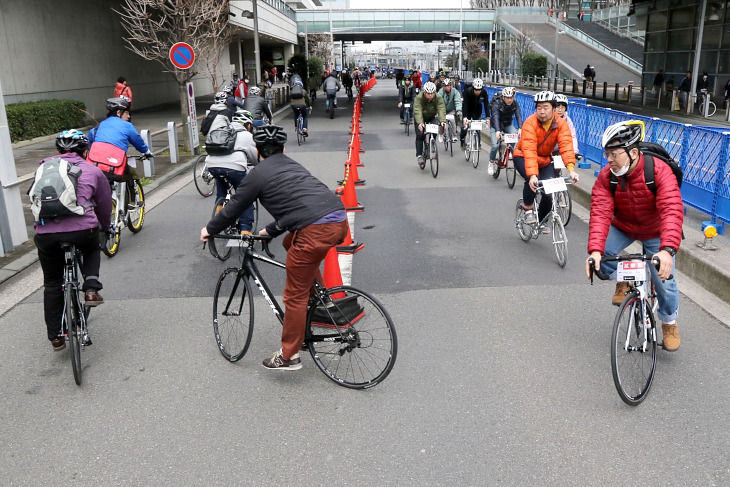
<point>564,205</point>
<point>135,218</point>
<point>233,314</point>
<point>434,158</point>
<point>467,151</point>
<point>476,142</point>
<point>111,246</point>
<point>510,171</point>
<point>523,229</point>
<point>560,241</point>
<point>632,374</point>
<point>225,252</point>
<point>73,330</point>
<point>351,338</point>
<point>204,182</point>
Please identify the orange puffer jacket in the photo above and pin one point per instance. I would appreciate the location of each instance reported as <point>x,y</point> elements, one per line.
<point>536,145</point>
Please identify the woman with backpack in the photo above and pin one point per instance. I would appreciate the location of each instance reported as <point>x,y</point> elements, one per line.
<point>300,104</point>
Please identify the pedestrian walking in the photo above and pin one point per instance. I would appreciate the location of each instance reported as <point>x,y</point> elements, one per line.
<point>122,89</point>
<point>658,83</point>
<point>684,87</point>
<point>727,92</point>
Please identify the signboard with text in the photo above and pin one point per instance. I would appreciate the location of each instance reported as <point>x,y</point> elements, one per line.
<point>193,117</point>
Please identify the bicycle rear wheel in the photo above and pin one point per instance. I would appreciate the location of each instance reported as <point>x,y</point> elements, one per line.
<point>73,330</point>
<point>204,182</point>
<point>111,246</point>
<point>233,314</point>
<point>434,157</point>
<point>135,217</point>
<point>223,253</point>
<point>560,241</point>
<point>524,229</point>
<point>632,367</point>
<point>351,338</point>
<point>475,147</point>
<point>509,171</point>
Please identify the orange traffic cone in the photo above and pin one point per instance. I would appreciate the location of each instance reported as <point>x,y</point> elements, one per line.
<point>348,195</point>
<point>356,142</point>
<point>353,167</point>
<point>348,246</point>
<point>332,275</point>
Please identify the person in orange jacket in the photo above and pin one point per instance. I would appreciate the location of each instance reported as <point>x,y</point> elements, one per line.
<point>541,132</point>
<point>122,89</point>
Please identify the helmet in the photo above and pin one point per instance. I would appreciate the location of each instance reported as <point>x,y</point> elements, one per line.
<point>508,92</point>
<point>269,135</point>
<point>407,78</point>
<point>119,103</point>
<point>452,75</point>
<point>478,84</point>
<point>72,140</point>
<point>447,82</point>
<point>242,116</point>
<point>623,134</point>
<point>254,91</point>
<point>429,87</point>
<point>545,96</point>
<point>298,83</point>
<point>220,97</point>
<point>228,89</point>
<point>442,74</point>
<point>561,99</point>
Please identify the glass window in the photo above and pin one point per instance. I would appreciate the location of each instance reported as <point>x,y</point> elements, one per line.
<point>726,35</point>
<point>711,37</point>
<point>682,17</point>
<point>681,40</point>
<point>708,61</point>
<point>657,21</point>
<point>653,63</point>
<point>656,42</point>
<point>678,62</point>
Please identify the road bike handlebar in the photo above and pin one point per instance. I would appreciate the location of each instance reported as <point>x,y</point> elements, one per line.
<point>250,239</point>
<point>617,258</point>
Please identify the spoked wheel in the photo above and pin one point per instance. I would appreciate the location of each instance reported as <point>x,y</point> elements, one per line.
<point>204,181</point>
<point>351,339</point>
<point>407,120</point>
<point>451,140</point>
<point>434,158</point>
<point>447,140</point>
<point>524,229</point>
<point>467,149</point>
<point>633,367</point>
<point>224,252</point>
<point>73,329</point>
<point>560,241</point>
<point>564,205</point>
<point>233,314</point>
<point>509,171</point>
<point>111,245</point>
<point>300,136</point>
<point>135,216</point>
<point>475,145</point>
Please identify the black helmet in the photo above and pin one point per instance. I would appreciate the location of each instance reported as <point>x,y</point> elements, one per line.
<point>72,141</point>
<point>119,103</point>
<point>269,139</point>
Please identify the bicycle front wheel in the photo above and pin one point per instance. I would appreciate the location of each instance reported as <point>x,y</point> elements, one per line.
<point>223,253</point>
<point>560,241</point>
<point>467,149</point>
<point>73,330</point>
<point>632,364</point>
<point>135,216</point>
<point>475,147</point>
<point>351,338</point>
<point>564,205</point>
<point>111,246</point>
<point>233,314</point>
<point>523,228</point>
<point>434,157</point>
<point>509,171</point>
<point>204,181</point>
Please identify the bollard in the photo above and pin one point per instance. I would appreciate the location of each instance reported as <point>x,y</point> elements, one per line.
<point>172,142</point>
<point>605,89</point>
<point>628,100</point>
<point>575,86</point>
<point>584,87</point>
<point>615,92</point>
<point>149,165</point>
<point>727,111</point>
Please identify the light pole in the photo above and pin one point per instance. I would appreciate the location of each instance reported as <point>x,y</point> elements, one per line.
<point>461,31</point>
<point>490,55</point>
<point>256,50</point>
<point>557,29</point>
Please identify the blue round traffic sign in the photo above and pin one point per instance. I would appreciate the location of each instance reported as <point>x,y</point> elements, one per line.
<point>182,55</point>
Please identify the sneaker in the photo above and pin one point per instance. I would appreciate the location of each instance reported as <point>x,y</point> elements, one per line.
<point>454,140</point>
<point>490,168</point>
<point>421,161</point>
<point>402,122</point>
<point>93,298</point>
<point>670,334</point>
<point>305,133</point>
<point>58,344</point>
<point>530,217</point>
<point>441,139</point>
<point>622,289</point>
<point>277,362</point>
<point>463,145</point>
<point>245,232</point>
<point>546,230</point>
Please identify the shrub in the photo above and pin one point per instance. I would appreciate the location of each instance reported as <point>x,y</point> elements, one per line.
<point>480,64</point>
<point>315,66</point>
<point>46,117</point>
<point>534,64</point>
<point>298,64</point>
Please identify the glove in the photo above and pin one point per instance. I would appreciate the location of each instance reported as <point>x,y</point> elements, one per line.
<point>149,154</point>
<point>458,114</point>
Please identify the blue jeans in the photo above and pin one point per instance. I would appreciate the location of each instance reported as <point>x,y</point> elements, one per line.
<point>305,115</point>
<point>667,292</point>
<point>403,109</point>
<point>331,95</point>
<point>245,221</point>
<point>509,129</point>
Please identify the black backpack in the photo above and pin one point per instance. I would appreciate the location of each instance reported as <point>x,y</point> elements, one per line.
<point>497,96</point>
<point>650,151</point>
<point>297,93</point>
<point>221,141</point>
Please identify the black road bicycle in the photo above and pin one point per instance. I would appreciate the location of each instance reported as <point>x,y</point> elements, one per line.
<point>75,312</point>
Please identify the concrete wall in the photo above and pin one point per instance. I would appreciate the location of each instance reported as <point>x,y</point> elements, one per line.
<point>74,49</point>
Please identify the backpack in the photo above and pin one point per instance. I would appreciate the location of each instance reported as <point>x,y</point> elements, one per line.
<point>53,193</point>
<point>109,158</point>
<point>495,97</point>
<point>650,151</point>
<point>221,141</point>
<point>297,93</point>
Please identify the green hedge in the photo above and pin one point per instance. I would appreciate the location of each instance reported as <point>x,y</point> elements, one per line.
<point>534,64</point>
<point>46,117</point>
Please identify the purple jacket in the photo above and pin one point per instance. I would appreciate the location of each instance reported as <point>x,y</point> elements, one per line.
<point>93,193</point>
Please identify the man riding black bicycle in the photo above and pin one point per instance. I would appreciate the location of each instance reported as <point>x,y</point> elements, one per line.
<point>347,82</point>
<point>474,102</point>
<point>428,108</point>
<point>305,207</point>
<point>256,104</point>
<point>406,92</point>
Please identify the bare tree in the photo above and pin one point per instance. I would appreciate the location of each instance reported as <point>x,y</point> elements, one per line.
<point>320,45</point>
<point>522,42</point>
<point>473,48</point>
<point>153,26</point>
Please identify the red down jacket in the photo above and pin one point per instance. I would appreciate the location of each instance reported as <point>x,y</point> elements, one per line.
<point>635,210</point>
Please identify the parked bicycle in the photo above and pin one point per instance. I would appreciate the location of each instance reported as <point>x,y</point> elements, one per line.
<point>712,108</point>
<point>430,149</point>
<point>349,334</point>
<point>204,180</point>
<point>224,253</point>
<point>124,213</point>
<point>634,338</point>
<point>504,161</point>
<point>75,313</point>
<point>473,141</point>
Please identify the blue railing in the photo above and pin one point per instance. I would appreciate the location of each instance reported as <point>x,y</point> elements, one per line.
<point>703,152</point>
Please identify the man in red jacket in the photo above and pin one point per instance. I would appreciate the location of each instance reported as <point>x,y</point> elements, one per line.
<point>633,213</point>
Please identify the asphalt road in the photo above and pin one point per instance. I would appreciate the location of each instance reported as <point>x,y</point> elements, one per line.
<point>502,377</point>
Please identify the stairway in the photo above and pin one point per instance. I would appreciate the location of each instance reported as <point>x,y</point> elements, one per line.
<point>625,46</point>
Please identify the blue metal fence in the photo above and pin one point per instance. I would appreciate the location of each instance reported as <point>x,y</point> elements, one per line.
<point>703,152</point>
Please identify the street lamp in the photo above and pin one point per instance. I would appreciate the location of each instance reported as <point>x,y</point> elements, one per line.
<point>557,33</point>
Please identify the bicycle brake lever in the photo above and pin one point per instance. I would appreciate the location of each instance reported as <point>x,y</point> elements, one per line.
<point>265,248</point>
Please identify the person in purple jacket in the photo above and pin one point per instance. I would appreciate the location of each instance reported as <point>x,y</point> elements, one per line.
<point>94,194</point>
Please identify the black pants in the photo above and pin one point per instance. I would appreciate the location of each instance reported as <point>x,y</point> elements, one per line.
<point>421,135</point>
<point>51,256</point>
<point>528,196</point>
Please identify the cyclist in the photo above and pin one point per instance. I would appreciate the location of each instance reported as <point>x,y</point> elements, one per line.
<point>256,104</point>
<point>428,107</point>
<point>399,76</point>
<point>440,81</point>
<point>347,82</point>
<point>474,103</point>
<point>561,108</point>
<point>231,102</point>
<point>356,75</point>
<point>94,195</point>
<point>634,212</point>
<point>503,110</point>
<point>331,86</point>
<point>301,205</point>
<point>406,92</point>
<point>301,105</point>
<point>533,154</point>
<point>455,81</point>
<point>416,77</point>
<point>452,101</point>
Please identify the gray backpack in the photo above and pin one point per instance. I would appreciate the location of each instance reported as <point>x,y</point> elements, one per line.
<point>53,193</point>
<point>221,141</point>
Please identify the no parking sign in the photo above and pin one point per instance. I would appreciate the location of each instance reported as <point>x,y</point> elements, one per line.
<point>182,55</point>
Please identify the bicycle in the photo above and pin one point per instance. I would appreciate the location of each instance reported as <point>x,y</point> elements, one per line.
<point>348,333</point>
<point>449,133</point>
<point>407,118</point>
<point>430,150</point>
<point>300,129</point>
<point>75,312</point>
<point>564,202</point>
<point>124,214</point>
<point>348,91</point>
<point>530,231</point>
<point>711,109</point>
<point>473,141</point>
<point>223,255</point>
<point>505,152</point>
<point>204,180</point>
<point>634,338</point>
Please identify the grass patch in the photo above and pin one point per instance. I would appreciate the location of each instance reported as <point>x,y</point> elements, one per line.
<point>144,181</point>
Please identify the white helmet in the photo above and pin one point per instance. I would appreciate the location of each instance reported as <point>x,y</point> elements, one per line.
<point>254,90</point>
<point>623,134</point>
<point>429,87</point>
<point>478,84</point>
<point>543,96</point>
<point>561,98</point>
<point>508,92</point>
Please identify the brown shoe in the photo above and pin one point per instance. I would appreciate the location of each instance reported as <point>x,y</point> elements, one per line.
<point>670,334</point>
<point>622,289</point>
<point>93,298</point>
<point>58,344</point>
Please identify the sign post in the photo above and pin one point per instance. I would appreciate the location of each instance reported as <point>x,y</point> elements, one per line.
<point>182,55</point>
<point>192,119</point>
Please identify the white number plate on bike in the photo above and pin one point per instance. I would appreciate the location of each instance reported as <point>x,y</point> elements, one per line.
<point>511,138</point>
<point>475,125</point>
<point>450,117</point>
<point>407,105</point>
<point>558,162</point>
<point>631,271</point>
<point>554,185</point>
<point>432,128</point>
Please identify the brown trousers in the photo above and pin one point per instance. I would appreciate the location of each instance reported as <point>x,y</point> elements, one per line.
<point>306,248</point>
